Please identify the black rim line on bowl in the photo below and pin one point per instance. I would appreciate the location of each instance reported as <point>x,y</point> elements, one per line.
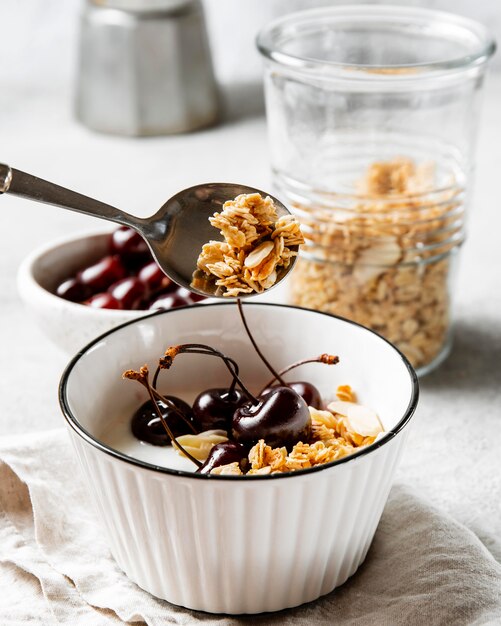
<point>82,432</point>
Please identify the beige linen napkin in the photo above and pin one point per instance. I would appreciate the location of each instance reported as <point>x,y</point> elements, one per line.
<point>423,567</point>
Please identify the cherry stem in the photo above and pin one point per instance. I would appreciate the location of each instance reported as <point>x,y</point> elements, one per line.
<point>142,377</point>
<point>174,408</point>
<point>155,377</point>
<point>276,375</point>
<point>168,430</point>
<point>327,359</point>
<point>228,361</point>
<point>231,388</point>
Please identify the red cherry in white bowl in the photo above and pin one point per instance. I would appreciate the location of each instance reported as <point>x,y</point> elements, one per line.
<point>49,284</point>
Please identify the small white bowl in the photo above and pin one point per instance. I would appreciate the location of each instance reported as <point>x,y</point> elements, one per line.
<point>226,544</point>
<point>67,324</point>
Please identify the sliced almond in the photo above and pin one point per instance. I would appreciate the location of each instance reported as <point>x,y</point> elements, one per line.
<point>360,419</point>
<point>200,445</point>
<point>259,254</point>
<point>325,417</point>
<point>374,261</point>
<point>270,281</point>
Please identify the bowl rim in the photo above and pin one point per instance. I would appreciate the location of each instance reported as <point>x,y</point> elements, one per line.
<point>116,454</point>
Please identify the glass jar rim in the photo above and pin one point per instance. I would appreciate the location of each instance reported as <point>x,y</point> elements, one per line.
<point>271,38</point>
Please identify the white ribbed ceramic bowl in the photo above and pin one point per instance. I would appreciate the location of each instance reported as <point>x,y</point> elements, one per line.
<point>228,544</point>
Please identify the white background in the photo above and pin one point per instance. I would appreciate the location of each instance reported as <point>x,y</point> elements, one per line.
<point>38,37</point>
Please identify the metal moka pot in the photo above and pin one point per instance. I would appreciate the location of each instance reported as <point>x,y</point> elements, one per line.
<point>145,67</point>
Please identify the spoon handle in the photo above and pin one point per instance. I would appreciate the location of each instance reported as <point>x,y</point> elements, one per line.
<point>25,185</point>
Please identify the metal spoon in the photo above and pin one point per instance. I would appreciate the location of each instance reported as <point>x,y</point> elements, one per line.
<point>175,234</point>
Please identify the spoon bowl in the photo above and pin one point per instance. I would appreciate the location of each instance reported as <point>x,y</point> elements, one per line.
<point>175,234</point>
<point>179,229</point>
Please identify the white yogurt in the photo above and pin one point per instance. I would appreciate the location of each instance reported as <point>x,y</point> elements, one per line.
<point>117,434</point>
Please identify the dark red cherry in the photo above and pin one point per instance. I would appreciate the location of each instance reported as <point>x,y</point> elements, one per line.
<point>307,391</point>
<point>214,408</point>
<point>154,279</point>
<point>101,275</point>
<point>103,301</point>
<point>223,454</point>
<point>147,426</point>
<point>128,291</point>
<point>73,290</point>
<point>196,297</point>
<point>281,418</point>
<point>168,301</point>
<point>130,246</point>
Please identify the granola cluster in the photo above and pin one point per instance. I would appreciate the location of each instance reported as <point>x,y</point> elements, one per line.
<point>386,261</point>
<point>339,431</point>
<point>257,244</point>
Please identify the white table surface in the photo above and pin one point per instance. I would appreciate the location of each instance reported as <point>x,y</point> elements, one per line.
<point>454,452</point>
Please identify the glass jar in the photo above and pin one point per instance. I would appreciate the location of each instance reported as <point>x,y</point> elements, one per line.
<point>372,115</point>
